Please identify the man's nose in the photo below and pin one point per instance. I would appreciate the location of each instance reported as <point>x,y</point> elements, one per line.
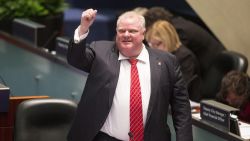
<point>126,33</point>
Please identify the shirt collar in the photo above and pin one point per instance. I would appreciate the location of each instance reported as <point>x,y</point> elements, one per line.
<point>143,56</point>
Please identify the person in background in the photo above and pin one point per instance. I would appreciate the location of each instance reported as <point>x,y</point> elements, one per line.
<point>106,109</point>
<point>193,36</point>
<point>235,92</point>
<point>162,35</point>
<point>140,10</point>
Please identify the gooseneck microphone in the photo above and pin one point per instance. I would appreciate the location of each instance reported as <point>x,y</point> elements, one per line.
<point>130,134</point>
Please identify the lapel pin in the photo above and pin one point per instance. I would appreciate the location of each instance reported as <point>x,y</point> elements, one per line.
<point>159,63</point>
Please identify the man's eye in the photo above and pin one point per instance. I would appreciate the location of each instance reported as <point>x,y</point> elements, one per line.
<point>133,31</point>
<point>121,31</point>
<point>129,31</point>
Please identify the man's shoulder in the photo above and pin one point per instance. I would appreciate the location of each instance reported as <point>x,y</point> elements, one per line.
<point>103,47</point>
<point>102,43</point>
<point>160,53</point>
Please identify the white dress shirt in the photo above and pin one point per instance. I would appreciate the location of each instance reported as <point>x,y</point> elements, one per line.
<point>117,123</point>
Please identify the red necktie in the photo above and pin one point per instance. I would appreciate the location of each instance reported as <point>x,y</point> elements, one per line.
<point>136,118</point>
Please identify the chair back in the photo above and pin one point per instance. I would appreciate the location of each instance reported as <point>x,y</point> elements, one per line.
<point>224,62</point>
<point>194,88</point>
<point>44,120</point>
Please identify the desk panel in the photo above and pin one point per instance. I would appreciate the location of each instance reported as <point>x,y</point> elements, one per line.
<point>27,70</point>
<point>204,131</point>
<point>207,131</point>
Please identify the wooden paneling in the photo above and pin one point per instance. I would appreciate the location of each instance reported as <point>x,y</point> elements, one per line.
<point>7,119</point>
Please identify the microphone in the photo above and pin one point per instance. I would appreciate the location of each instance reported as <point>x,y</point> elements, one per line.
<point>131,137</point>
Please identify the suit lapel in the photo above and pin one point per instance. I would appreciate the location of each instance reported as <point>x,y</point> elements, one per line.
<point>115,64</point>
<point>155,68</point>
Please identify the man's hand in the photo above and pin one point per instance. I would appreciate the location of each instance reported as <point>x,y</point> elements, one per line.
<point>87,19</point>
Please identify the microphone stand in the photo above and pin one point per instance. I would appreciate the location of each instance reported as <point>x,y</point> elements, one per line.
<point>131,137</point>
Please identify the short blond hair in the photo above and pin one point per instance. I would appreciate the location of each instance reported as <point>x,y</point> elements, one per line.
<point>140,10</point>
<point>132,15</point>
<point>166,33</point>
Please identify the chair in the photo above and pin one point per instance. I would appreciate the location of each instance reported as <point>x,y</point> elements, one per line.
<point>224,62</point>
<point>44,120</point>
<point>193,87</point>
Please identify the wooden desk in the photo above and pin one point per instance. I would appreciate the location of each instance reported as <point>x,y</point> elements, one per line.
<point>7,119</point>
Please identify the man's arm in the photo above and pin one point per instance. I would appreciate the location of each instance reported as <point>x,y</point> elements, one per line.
<point>180,107</point>
<point>78,55</point>
<point>87,19</point>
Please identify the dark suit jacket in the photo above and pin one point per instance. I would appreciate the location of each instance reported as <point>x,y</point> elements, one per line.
<point>205,46</point>
<point>100,60</point>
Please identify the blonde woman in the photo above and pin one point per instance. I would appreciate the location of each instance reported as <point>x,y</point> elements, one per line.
<point>162,35</point>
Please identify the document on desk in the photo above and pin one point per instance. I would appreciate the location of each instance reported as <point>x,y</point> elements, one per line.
<point>244,130</point>
<point>195,107</point>
<point>194,104</point>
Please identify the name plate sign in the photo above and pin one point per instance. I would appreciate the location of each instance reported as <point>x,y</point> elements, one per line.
<point>216,112</point>
<point>29,31</point>
<point>4,98</point>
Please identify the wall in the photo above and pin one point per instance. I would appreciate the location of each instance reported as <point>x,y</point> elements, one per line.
<point>229,20</point>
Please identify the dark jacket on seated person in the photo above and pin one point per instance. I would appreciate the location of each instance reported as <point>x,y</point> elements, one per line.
<point>244,114</point>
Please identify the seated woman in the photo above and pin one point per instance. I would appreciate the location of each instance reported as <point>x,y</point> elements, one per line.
<point>162,35</point>
<point>235,91</point>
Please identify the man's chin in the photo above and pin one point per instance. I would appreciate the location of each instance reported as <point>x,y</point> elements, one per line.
<point>126,45</point>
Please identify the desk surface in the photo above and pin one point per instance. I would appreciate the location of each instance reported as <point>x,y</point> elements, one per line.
<point>27,70</point>
<point>216,130</point>
<point>207,131</point>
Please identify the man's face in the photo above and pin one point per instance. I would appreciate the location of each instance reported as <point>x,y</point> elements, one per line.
<point>129,38</point>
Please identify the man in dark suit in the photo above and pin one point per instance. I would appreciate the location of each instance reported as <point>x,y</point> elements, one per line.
<point>103,112</point>
<point>195,37</point>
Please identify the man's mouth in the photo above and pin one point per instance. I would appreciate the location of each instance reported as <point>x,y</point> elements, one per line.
<point>126,41</point>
